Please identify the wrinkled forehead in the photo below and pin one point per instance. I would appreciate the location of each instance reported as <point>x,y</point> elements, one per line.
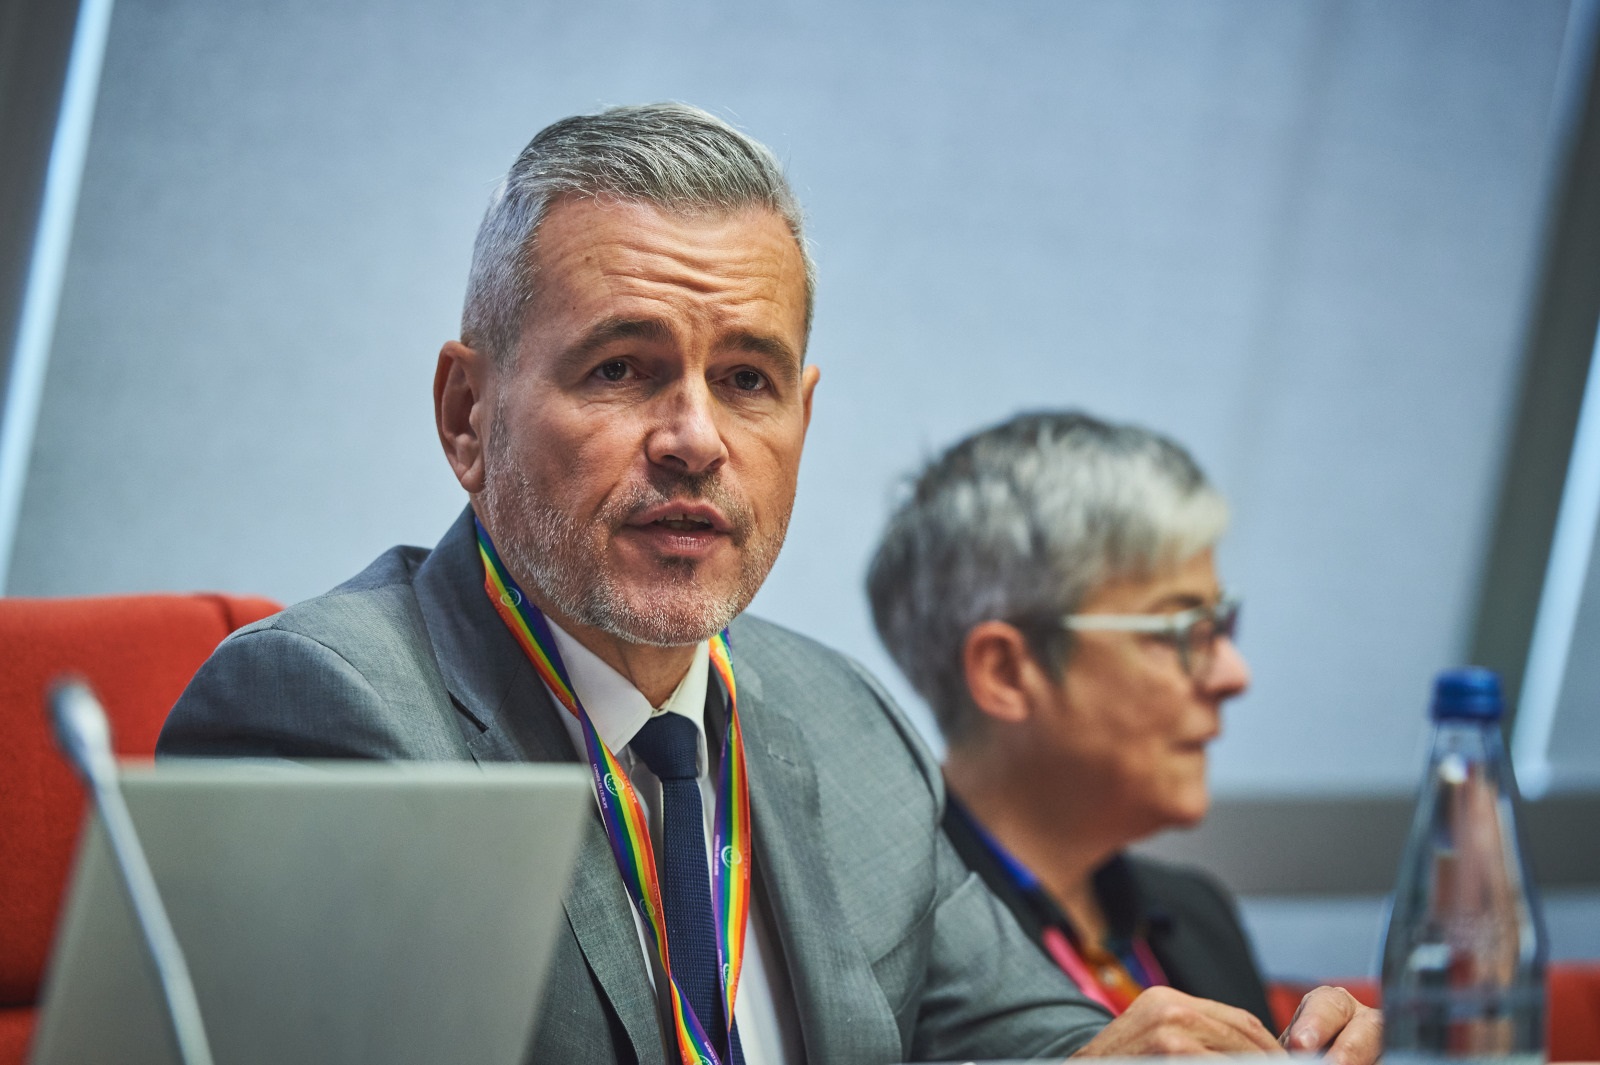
<point>598,259</point>
<point>579,226</point>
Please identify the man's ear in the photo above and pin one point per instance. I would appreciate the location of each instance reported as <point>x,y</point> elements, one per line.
<point>808,384</point>
<point>1003,678</point>
<point>461,409</point>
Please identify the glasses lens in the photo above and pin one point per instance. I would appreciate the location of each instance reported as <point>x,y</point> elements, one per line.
<point>1227,618</point>
<point>1200,645</point>
<point>1200,642</point>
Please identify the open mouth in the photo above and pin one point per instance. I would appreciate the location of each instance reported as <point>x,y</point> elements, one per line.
<point>682,518</point>
<point>689,523</point>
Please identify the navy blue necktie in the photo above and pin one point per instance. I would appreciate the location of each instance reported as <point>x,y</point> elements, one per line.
<point>669,745</point>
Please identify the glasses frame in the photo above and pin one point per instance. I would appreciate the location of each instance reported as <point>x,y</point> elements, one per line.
<point>1176,628</point>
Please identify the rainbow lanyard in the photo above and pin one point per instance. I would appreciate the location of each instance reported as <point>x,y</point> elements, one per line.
<point>624,815</point>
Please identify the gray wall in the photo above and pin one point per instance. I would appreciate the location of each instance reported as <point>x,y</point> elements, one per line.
<point>1297,236</point>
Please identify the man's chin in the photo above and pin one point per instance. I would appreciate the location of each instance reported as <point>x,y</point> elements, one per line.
<point>659,632</point>
<point>669,618</point>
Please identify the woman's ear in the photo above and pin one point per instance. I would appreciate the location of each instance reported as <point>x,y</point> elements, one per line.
<point>1004,680</point>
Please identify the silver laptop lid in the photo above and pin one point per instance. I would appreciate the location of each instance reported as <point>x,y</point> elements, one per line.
<point>332,912</point>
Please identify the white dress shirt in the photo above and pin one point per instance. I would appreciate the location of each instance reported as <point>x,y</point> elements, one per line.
<point>764,1007</point>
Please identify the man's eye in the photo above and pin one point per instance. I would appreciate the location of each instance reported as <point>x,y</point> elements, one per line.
<point>748,381</point>
<point>615,370</point>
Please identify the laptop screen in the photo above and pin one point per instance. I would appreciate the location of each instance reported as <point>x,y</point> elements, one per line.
<point>330,912</point>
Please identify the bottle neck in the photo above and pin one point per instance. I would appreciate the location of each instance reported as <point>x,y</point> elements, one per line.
<point>1473,739</point>
<point>1470,754</point>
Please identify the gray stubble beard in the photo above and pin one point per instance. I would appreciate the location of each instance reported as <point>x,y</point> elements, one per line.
<point>547,550</point>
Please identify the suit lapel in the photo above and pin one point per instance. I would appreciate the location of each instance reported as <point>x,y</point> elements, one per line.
<point>506,708</point>
<point>830,977</point>
<point>601,917</point>
<point>510,716</point>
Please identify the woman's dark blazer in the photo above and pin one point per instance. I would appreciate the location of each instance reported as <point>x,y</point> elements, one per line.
<point>1190,921</point>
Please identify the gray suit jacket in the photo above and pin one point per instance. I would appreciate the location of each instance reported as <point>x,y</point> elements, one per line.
<point>894,950</point>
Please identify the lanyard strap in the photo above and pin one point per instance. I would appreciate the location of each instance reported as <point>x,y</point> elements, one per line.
<point>623,815</point>
<point>1135,970</point>
<point>1060,950</point>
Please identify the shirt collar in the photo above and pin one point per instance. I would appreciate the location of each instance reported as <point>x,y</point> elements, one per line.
<point>1019,875</point>
<point>1115,886</point>
<point>617,709</point>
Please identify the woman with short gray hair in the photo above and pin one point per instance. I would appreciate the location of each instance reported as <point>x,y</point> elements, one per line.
<point>1050,588</point>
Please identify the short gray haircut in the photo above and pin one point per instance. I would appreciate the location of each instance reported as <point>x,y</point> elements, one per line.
<point>669,155</point>
<point>1020,523</point>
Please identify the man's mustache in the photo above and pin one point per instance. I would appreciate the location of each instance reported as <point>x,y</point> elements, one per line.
<point>665,486</point>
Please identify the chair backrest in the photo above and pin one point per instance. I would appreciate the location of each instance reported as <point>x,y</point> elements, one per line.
<point>138,653</point>
<point>1575,1012</point>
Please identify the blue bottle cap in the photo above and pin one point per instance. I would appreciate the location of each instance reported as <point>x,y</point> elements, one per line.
<point>1471,692</point>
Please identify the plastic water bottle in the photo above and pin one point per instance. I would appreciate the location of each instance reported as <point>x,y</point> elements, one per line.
<point>1464,957</point>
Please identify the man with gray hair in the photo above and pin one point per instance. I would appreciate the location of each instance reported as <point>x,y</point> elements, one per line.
<point>1050,588</point>
<point>625,410</point>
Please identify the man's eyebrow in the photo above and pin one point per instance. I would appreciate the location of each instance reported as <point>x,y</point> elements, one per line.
<point>772,347</point>
<point>609,330</point>
<point>652,330</point>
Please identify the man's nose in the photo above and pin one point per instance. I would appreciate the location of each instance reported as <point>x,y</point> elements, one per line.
<point>687,438</point>
<point>1230,673</point>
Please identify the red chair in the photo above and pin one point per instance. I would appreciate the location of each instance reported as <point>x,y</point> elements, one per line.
<point>1574,1005</point>
<point>138,652</point>
<point>1575,1012</point>
<point>1284,997</point>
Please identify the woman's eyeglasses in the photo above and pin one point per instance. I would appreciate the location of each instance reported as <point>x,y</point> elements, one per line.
<point>1194,632</point>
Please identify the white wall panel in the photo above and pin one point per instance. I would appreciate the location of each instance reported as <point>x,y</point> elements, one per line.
<point>1297,236</point>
